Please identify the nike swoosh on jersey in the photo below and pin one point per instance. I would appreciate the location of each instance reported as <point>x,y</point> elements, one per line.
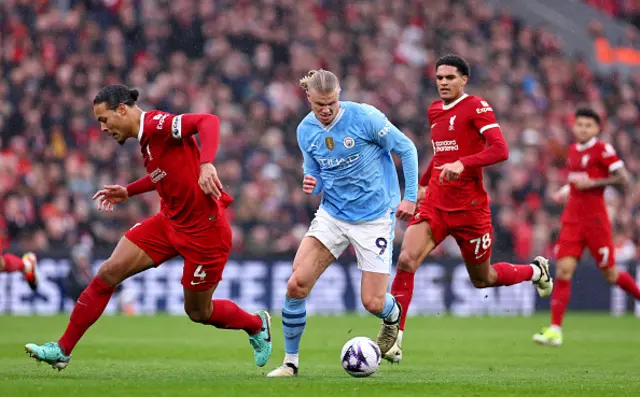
<point>201,282</point>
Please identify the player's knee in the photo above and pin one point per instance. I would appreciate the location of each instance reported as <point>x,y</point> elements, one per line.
<point>481,282</point>
<point>408,261</point>
<point>198,315</point>
<point>611,275</point>
<point>296,288</point>
<point>563,273</point>
<point>373,303</point>
<point>110,272</point>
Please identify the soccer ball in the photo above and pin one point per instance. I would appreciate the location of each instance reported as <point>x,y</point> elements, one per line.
<point>360,357</point>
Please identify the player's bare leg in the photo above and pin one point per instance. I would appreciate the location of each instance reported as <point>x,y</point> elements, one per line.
<point>225,314</point>
<point>623,280</point>
<point>28,265</point>
<point>126,260</point>
<point>373,292</point>
<point>552,335</point>
<point>418,242</point>
<point>486,275</point>
<point>311,260</point>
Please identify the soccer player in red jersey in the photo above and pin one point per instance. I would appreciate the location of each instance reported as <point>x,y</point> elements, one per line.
<point>191,223</point>
<point>28,265</point>
<point>592,166</point>
<point>453,198</point>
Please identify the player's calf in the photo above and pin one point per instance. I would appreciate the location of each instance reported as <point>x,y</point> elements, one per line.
<point>297,287</point>
<point>624,281</point>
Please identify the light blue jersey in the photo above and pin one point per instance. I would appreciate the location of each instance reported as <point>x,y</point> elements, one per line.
<point>351,160</point>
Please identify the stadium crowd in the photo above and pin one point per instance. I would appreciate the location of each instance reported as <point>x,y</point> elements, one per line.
<point>628,10</point>
<point>242,60</point>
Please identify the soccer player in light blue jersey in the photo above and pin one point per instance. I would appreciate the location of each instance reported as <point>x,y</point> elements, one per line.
<point>347,148</point>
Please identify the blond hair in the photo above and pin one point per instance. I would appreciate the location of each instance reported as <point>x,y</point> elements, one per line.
<point>321,81</point>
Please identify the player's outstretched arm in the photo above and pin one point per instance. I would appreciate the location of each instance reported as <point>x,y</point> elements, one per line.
<point>111,195</point>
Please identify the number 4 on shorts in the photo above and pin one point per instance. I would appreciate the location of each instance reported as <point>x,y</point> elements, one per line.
<point>200,273</point>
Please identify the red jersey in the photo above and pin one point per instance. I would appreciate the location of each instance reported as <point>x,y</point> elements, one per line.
<point>172,159</point>
<point>593,160</point>
<point>458,133</point>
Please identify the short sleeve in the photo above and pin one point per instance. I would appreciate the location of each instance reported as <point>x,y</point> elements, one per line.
<point>609,158</point>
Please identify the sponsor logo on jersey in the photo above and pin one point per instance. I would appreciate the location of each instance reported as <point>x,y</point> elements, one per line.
<point>338,162</point>
<point>452,127</point>
<point>161,122</point>
<point>385,130</point>
<point>349,142</point>
<point>330,143</point>
<point>445,146</point>
<point>609,151</point>
<point>485,108</point>
<point>157,175</point>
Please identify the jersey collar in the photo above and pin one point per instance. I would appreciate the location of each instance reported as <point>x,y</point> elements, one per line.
<point>335,121</point>
<point>141,130</point>
<point>454,103</point>
<point>587,145</point>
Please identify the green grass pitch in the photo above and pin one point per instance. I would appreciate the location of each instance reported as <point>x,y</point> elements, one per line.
<point>471,357</point>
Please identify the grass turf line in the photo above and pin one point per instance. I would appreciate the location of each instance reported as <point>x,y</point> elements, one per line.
<point>445,356</point>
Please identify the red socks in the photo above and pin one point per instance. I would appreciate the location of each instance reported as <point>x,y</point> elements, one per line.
<point>509,274</point>
<point>402,290</point>
<point>559,301</point>
<point>628,284</point>
<point>12,263</point>
<point>87,310</point>
<point>228,315</point>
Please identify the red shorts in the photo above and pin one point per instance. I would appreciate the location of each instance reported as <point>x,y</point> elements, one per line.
<point>472,229</point>
<point>205,253</point>
<point>594,234</point>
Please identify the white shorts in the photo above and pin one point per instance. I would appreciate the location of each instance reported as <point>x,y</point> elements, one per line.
<point>372,240</point>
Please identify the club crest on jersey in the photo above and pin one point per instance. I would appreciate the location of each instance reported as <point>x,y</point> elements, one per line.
<point>585,161</point>
<point>349,143</point>
<point>452,120</point>
<point>330,143</point>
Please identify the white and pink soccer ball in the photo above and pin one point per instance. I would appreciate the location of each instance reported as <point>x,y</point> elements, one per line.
<point>360,357</point>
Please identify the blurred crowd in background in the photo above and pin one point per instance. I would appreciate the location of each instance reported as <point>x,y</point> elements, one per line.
<point>628,10</point>
<point>241,59</point>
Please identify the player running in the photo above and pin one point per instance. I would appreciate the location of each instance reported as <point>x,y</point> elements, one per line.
<point>346,149</point>
<point>592,166</point>
<point>455,202</point>
<point>191,223</point>
<point>28,265</point>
